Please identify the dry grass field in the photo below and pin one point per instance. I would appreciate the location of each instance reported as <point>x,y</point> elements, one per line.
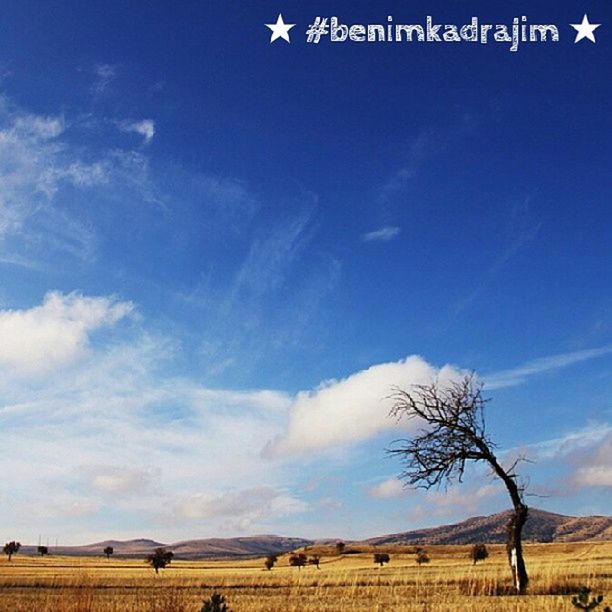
<point>348,582</point>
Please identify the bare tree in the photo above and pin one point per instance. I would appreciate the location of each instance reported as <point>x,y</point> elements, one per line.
<point>454,434</point>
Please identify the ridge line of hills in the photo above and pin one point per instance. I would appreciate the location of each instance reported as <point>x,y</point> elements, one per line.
<point>542,526</point>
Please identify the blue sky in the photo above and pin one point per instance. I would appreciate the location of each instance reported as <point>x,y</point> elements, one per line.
<point>218,255</point>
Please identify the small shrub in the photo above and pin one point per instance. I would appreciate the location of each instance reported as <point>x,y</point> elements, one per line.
<point>422,557</point>
<point>479,552</point>
<point>581,601</point>
<point>216,603</point>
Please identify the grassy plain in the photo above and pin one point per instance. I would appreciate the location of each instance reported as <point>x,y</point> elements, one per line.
<point>345,582</point>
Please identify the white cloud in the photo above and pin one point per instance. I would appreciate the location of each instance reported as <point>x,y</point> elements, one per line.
<point>594,476</point>
<point>384,234</point>
<point>114,480</point>
<point>594,465</point>
<point>388,488</point>
<point>38,126</point>
<point>461,501</point>
<point>144,127</point>
<point>330,503</point>
<point>243,507</point>
<point>352,409</point>
<point>56,332</point>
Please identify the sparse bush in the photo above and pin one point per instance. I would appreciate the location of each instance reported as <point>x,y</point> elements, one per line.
<point>11,548</point>
<point>381,558</point>
<point>315,560</point>
<point>479,552</point>
<point>422,557</point>
<point>581,601</point>
<point>340,546</point>
<point>216,603</point>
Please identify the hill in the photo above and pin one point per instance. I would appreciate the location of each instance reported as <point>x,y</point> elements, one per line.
<point>541,526</point>
<point>211,548</point>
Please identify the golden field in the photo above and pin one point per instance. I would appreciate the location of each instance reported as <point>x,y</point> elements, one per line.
<point>347,582</point>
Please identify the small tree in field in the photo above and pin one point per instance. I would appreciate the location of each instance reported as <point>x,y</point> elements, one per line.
<point>270,561</point>
<point>108,551</point>
<point>421,557</point>
<point>315,560</point>
<point>43,550</point>
<point>454,433</point>
<point>159,559</point>
<point>340,546</point>
<point>381,558</point>
<point>11,548</point>
<point>298,560</point>
<point>479,552</point>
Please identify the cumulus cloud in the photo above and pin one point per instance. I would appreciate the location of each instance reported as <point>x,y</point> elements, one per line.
<point>388,488</point>
<point>55,332</point>
<point>351,409</point>
<point>384,234</point>
<point>144,127</point>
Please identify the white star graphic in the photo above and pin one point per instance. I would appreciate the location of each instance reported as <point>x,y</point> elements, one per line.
<point>585,29</point>
<point>280,29</point>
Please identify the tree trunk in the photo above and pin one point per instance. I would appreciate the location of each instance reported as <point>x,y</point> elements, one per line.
<point>515,548</point>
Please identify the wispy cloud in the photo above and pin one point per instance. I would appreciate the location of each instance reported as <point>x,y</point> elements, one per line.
<point>520,230</point>
<point>384,234</point>
<point>41,173</point>
<point>104,74</point>
<point>519,375</point>
<point>144,127</point>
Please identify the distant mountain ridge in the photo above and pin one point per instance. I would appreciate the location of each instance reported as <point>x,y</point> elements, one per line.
<point>541,526</point>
